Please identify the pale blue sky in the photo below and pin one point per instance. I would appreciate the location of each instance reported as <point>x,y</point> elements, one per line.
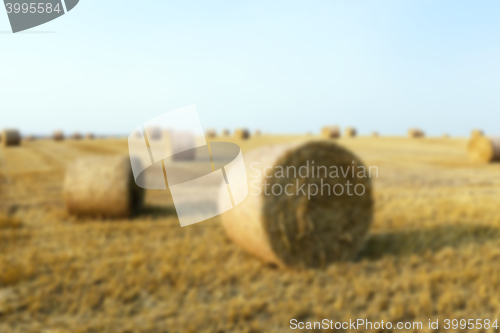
<point>287,67</point>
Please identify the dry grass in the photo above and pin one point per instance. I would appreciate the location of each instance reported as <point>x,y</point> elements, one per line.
<point>433,251</point>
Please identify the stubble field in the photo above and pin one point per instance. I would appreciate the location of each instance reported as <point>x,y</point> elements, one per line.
<point>433,251</point>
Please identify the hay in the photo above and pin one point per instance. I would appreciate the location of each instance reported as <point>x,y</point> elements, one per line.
<point>30,138</point>
<point>484,149</point>
<point>476,132</point>
<point>211,133</point>
<point>226,132</point>
<point>90,136</point>
<point>292,230</point>
<point>76,136</point>
<point>102,187</point>
<point>350,132</point>
<point>242,133</point>
<point>58,135</point>
<point>257,133</point>
<point>330,132</point>
<point>375,134</point>
<point>415,133</point>
<point>11,137</point>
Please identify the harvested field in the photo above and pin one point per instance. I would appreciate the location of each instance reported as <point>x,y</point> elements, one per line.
<point>432,252</point>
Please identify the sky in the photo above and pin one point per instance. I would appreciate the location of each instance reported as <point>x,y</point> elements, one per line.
<point>281,67</point>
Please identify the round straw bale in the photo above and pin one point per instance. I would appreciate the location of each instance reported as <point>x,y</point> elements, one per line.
<point>484,149</point>
<point>90,136</point>
<point>58,135</point>
<point>11,137</point>
<point>242,133</point>
<point>330,132</point>
<point>30,138</point>
<point>350,132</point>
<point>226,132</point>
<point>76,136</point>
<point>301,230</point>
<point>211,133</point>
<point>257,132</point>
<point>102,187</point>
<point>375,134</point>
<point>415,133</point>
<point>476,132</point>
<point>446,136</point>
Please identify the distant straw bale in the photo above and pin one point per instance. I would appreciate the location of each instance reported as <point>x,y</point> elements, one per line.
<point>350,132</point>
<point>11,137</point>
<point>58,135</point>
<point>226,132</point>
<point>415,133</point>
<point>29,138</point>
<point>330,132</point>
<point>446,136</point>
<point>76,136</point>
<point>242,133</point>
<point>102,187</point>
<point>476,132</point>
<point>211,133</point>
<point>484,149</point>
<point>375,134</point>
<point>90,136</point>
<point>294,230</point>
<point>257,132</point>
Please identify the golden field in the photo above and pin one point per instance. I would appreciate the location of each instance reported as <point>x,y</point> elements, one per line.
<point>433,251</point>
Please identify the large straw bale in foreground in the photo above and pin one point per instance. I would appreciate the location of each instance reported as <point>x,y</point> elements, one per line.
<point>11,137</point>
<point>350,132</point>
<point>294,230</point>
<point>102,187</point>
<point>330,132</point>
<point>242,133</point>
<point>484,149</point>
